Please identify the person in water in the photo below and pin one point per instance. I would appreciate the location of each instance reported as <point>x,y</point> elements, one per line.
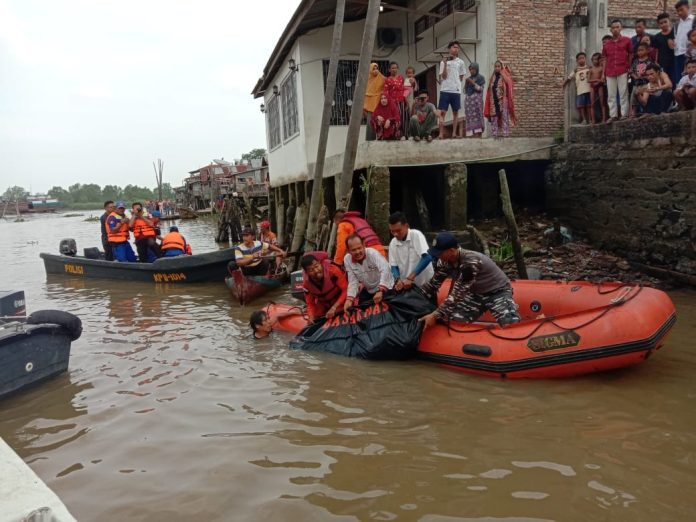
<point>479,285</point>
<point>261,324</point>
<point>325,285</point>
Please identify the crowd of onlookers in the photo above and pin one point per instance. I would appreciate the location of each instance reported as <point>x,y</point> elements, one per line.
<point>638,76</point>
<point>397,109</point>
<point>165,207</point>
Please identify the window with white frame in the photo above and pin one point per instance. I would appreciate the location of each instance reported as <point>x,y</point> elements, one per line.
<point>288,94</point>
<point>273,113</point>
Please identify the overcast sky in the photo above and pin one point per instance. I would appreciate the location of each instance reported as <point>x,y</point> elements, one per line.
<point>93,91</point>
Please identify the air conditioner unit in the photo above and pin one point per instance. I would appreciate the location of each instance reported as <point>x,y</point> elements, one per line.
<point>389,37</point>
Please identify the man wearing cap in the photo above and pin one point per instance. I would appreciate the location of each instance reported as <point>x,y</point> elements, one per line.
<point>424,118</point>
<point>249,254</point>
<point>174,244</point>
<point>267,236</point>
<point>367,267</point>
<point>479,285</point>
<point>118,234</point>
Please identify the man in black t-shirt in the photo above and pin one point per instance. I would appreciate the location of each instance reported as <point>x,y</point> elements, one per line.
<point>664,43</point>
<point>109,207</point>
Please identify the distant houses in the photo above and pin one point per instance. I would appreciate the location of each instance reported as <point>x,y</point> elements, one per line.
<point>207,186</point>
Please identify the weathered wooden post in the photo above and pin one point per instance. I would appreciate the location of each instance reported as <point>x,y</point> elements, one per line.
<point>280,214</point>
<point>316,198</point>
<point>512,225</point>
<point>377,210</point>
<point>456,183</point>
<point>356,114</point>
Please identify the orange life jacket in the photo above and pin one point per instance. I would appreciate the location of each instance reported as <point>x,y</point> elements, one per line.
<point>142,230</point>
<point>174,240</point>
<point>121,233</point>
<point>362,228</point>
<point>329,291</point>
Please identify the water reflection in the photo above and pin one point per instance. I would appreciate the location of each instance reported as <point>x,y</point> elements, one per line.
<point>172,412</point>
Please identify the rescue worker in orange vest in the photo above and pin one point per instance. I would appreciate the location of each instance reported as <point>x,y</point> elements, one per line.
<point>174,244</point>
<point>145,234</point>
<point>349,223</point>
<point>117,232</point>
<point>325,285</point>
<point>267,235</point>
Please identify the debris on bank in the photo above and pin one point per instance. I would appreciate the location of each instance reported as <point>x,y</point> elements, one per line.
<point>551,251</point>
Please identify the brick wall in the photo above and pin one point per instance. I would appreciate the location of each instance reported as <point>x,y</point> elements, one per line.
<point>638,8</point>
<point>531,40</point>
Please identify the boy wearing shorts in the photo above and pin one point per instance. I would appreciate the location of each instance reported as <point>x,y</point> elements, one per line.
<point>581,75</point>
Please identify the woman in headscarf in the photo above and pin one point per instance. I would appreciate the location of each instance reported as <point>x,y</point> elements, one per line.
<point>375,88</point>
<point>500,105</point>
<point>394,89</point>
<point>473,101</point>
<point>386,120</point>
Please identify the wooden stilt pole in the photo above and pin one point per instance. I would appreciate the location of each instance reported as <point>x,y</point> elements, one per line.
<point>512,225</point>
<point>368,44</point>
<point>316,199</point>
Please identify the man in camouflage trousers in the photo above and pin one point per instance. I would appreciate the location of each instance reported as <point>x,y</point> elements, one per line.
<point>479,285</point>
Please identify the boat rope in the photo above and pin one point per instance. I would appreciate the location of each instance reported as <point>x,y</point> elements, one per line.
<point>621,300</point>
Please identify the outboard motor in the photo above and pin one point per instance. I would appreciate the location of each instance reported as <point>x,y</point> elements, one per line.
<point>68,247</point>
<point>296,282</point>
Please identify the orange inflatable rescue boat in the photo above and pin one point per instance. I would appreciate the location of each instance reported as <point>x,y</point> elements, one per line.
<point>567,329</point>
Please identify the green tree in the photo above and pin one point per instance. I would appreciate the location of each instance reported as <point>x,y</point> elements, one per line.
<point>133,193</point>
<point>112,192</point>
<point>254,153</point>
<point>91,192</point>
<point>61,195</point>
<point>15,193</point>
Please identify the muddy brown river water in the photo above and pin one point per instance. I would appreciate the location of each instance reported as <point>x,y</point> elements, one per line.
<point>171,412</point>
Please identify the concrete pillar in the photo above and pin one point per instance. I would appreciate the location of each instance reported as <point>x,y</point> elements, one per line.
<point>378,192</point>
<point>456,179</point>
<point>597,14</point>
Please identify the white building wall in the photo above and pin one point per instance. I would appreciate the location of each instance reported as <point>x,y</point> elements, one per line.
<point>294,159</point>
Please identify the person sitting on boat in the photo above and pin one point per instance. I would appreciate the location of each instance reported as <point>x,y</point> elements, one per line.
<point>109,207</point>
<point>479,285</point>
<point>267,235</point>
<point>325,285</point>
<point>250,254</point>
<point>118,234</point>
<point>367,267</point>
<point>408,254</point>
<point>174,244</point>
<point>348,223</point>
<point>261,324</point>
<point>145,234</point>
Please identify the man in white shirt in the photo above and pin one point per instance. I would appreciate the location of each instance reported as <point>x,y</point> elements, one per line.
<point>685,93</point>
<point>408,254</point>
<point>684,25</point>
<point>452,71</point>
<point>367,267</point>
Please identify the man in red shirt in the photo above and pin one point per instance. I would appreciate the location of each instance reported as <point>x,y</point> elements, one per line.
<point>618,55</point>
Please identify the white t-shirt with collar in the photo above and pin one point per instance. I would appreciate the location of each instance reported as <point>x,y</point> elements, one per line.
<point>407,253</point>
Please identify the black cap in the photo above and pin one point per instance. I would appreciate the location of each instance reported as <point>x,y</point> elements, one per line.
<point>443,241</point>
<point>247,231</point>
<point>173,228</point>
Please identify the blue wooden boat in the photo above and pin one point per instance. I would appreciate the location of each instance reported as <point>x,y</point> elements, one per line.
<point>32,348</point>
